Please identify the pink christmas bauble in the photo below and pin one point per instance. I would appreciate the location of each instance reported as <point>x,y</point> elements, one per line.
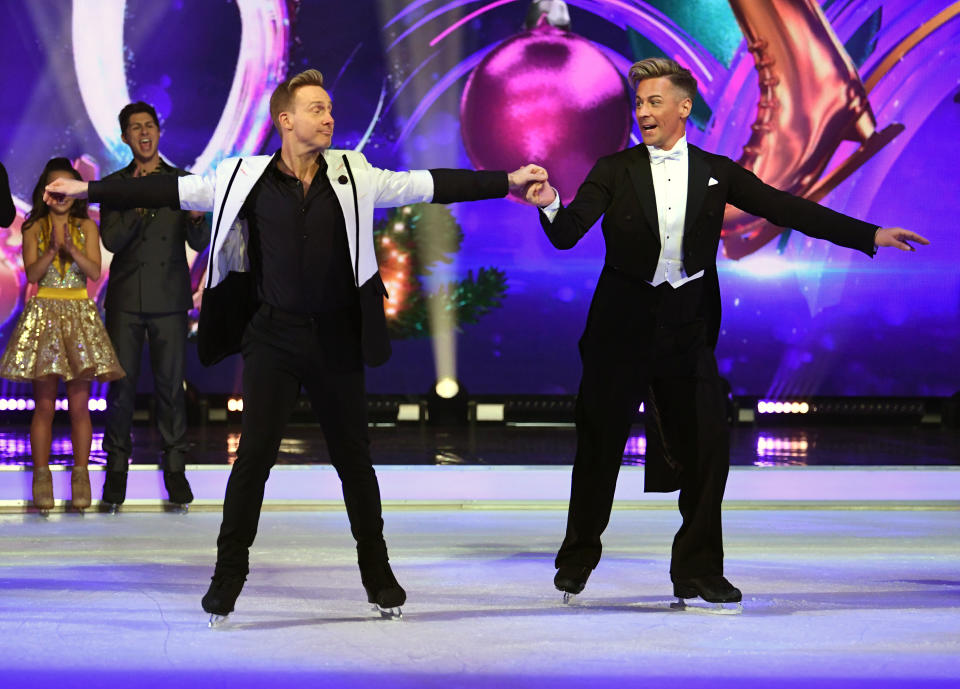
<point>545,96</point>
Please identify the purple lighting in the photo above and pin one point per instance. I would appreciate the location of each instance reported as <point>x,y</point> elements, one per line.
<point>28,404</point>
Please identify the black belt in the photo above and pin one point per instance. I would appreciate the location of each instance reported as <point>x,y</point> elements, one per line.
<point>275,313</point>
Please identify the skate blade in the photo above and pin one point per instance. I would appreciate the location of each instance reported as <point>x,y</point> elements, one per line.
<point>708,608</point>
<point>217,620</point>
<point>110,508</point>
<point>388,613</point>
<point>569,598</point>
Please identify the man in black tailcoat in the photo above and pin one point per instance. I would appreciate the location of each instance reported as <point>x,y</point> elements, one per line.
<point>654,321</point>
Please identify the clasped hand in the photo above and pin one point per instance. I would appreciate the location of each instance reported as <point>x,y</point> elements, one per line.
<point>532,181</point>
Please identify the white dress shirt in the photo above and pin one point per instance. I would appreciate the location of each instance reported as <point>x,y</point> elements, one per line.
<point>670,176</point>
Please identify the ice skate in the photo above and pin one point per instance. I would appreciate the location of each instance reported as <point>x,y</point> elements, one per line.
<point>114,491</point>
<point>43,490</point>
<point>724,598</point>
<point>221,597</point>
<point>571,580</point>
<point>178,490</point>
<point>80,489</point>
<point>384,593</point>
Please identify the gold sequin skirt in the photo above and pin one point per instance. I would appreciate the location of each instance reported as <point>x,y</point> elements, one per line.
<point>60,337</point>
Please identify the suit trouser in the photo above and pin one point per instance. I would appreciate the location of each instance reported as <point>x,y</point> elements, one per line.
<point>674,371</point>
<point>166,334</point>
<point>281,352</point>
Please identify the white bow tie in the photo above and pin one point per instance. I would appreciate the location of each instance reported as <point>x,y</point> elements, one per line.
<point>658,155</point>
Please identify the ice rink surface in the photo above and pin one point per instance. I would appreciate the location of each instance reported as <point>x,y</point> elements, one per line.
<point>846,598</point>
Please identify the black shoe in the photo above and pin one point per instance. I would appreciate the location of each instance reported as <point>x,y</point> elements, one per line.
<point>115,487</point>
<point>715,589</point>
<point>381,586</point>
<point>571,578</point>
<point>222,594</point>
<point>178,489</point>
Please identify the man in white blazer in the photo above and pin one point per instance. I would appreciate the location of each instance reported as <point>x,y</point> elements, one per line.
<point>293,284</point>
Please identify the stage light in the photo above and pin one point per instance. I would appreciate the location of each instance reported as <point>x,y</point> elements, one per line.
<point>447,403</point>
<point>780,407</point>
<point>447,388</point>
<point>235,404</point>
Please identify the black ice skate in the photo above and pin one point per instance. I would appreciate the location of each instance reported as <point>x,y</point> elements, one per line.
<point>178,490</point>
<point>114,491</point>
<point>383,591</point>
<point>725,597</point>
<point>221,597</point>
<point>571,580</point>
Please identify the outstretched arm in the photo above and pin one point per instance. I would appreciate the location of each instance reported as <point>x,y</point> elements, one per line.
<point>152,191</point>
<point>750,194</point>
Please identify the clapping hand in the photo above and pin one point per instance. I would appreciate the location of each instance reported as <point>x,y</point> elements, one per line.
<point>69,245</point>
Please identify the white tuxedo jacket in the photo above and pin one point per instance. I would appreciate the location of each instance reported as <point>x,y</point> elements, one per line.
<point>359,187</point>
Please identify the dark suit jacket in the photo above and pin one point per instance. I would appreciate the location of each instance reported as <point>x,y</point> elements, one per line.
<point>149,271</point>
<point>620,188</point>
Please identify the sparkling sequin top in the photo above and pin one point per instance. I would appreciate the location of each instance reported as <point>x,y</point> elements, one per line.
<point>73,277</point>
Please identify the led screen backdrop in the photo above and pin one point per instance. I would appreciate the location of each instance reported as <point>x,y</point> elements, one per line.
<point>852,102</point>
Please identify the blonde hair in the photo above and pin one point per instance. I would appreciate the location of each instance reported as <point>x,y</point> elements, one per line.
<point>284,93</point>
<point>656,67</point>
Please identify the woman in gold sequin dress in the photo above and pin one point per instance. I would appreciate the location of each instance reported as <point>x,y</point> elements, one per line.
<point>60,334</point>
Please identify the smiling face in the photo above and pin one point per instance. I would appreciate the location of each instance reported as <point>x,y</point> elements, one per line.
<point>63,206</point>
<point>309,121</point>
<point>142,135</point>
<point>662,111</point>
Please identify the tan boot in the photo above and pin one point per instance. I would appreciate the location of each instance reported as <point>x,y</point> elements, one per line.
<point>42,488</point>
<point>80,488</point>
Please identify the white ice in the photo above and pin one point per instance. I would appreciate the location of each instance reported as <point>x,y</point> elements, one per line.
<point>854,598</point>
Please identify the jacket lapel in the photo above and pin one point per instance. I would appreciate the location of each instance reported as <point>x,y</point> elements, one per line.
<point>227,207</point>
<point>639,170</point>
<point>342,181</point>
<point>698,177</point>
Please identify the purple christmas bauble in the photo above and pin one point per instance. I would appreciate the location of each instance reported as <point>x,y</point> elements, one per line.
<point>549,97</point>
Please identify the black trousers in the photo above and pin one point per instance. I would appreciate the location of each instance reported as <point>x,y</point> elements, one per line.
<point>282,351</point>
<point>663,357</point>
<point>166,334</point>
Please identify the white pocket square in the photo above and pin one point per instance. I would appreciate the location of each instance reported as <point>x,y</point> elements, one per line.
<point>712,182</point>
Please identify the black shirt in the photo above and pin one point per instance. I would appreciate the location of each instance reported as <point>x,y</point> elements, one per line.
<point>298,244</point>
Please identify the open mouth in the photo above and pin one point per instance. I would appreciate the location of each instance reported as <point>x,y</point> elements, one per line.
<point>145,144</point>
<point>648,127</point>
